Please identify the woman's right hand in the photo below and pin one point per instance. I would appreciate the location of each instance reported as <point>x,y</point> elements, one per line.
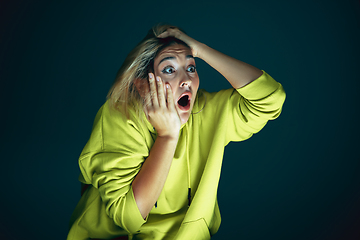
<point>160,108</point>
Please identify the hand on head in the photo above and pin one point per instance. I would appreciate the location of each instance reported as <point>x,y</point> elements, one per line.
<point>175,32</point>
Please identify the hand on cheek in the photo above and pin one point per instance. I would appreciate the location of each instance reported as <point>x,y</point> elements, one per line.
<point>160,108</point>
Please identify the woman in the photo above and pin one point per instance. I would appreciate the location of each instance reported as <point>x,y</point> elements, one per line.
<point>151,167</point>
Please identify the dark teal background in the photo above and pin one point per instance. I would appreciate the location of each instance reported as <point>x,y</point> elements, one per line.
<point>296,179</point>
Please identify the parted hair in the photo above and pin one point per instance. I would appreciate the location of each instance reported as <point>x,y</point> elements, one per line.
<point>138,63</point>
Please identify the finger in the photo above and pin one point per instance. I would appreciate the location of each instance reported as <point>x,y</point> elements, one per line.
<point>171,31</point>
<point>163,35</point>
<point>160,91</point>
<point>153,91</point>
<point>170,98</point>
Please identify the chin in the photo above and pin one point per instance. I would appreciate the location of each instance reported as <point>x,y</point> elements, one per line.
<point>184,118</point>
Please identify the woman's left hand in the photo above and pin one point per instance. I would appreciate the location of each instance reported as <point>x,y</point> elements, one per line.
<point>175,32</point>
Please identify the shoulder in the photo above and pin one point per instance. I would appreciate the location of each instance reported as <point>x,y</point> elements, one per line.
<point>111,125</point>
<point>117,118</point>
<point>213,99</point>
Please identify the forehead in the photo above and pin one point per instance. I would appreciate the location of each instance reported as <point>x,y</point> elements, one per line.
<point>176,50</point>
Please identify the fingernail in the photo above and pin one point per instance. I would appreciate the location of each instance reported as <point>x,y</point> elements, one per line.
<point>158,79</point>
<point>150,75</point>
<point>167,86</point>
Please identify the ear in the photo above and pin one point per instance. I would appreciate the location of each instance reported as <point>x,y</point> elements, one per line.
<point>141,85</point>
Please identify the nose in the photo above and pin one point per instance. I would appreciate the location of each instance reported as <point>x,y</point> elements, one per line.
<point>185,83</point>
<point>185,80</point>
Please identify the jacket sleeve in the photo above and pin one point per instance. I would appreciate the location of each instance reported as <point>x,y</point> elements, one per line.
<point>110,161</point>
<point>253,105</point>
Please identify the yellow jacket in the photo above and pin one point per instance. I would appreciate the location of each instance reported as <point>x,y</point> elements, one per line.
<point>118,146</point>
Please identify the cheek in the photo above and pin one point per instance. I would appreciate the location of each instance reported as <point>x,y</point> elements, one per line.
<point>173,89</point>
<point>196,82</point>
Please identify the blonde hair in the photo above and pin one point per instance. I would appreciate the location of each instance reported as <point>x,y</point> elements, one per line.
<point>123,94</point>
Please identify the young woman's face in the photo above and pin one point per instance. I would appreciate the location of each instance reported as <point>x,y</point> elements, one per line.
<point>176,66</point>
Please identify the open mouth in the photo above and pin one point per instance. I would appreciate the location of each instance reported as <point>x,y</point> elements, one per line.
<point>184,101</point>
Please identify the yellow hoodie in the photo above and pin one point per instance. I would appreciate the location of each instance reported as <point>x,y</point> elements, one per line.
<point>118,146</point>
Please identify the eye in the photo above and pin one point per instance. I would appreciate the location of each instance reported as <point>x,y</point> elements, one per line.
<point>191,68</point>
<point>168,70</point>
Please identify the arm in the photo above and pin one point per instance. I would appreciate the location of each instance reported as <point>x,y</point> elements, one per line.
<point>150,181</point>
<point>113,161</point>
<point>113,157</point>
<point>258,102</point>
<point>238,73</point>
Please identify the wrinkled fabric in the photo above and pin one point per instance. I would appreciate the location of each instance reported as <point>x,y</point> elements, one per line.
<point>118,147</point>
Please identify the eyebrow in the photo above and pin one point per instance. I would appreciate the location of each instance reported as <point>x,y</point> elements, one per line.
<point>171,58</point>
